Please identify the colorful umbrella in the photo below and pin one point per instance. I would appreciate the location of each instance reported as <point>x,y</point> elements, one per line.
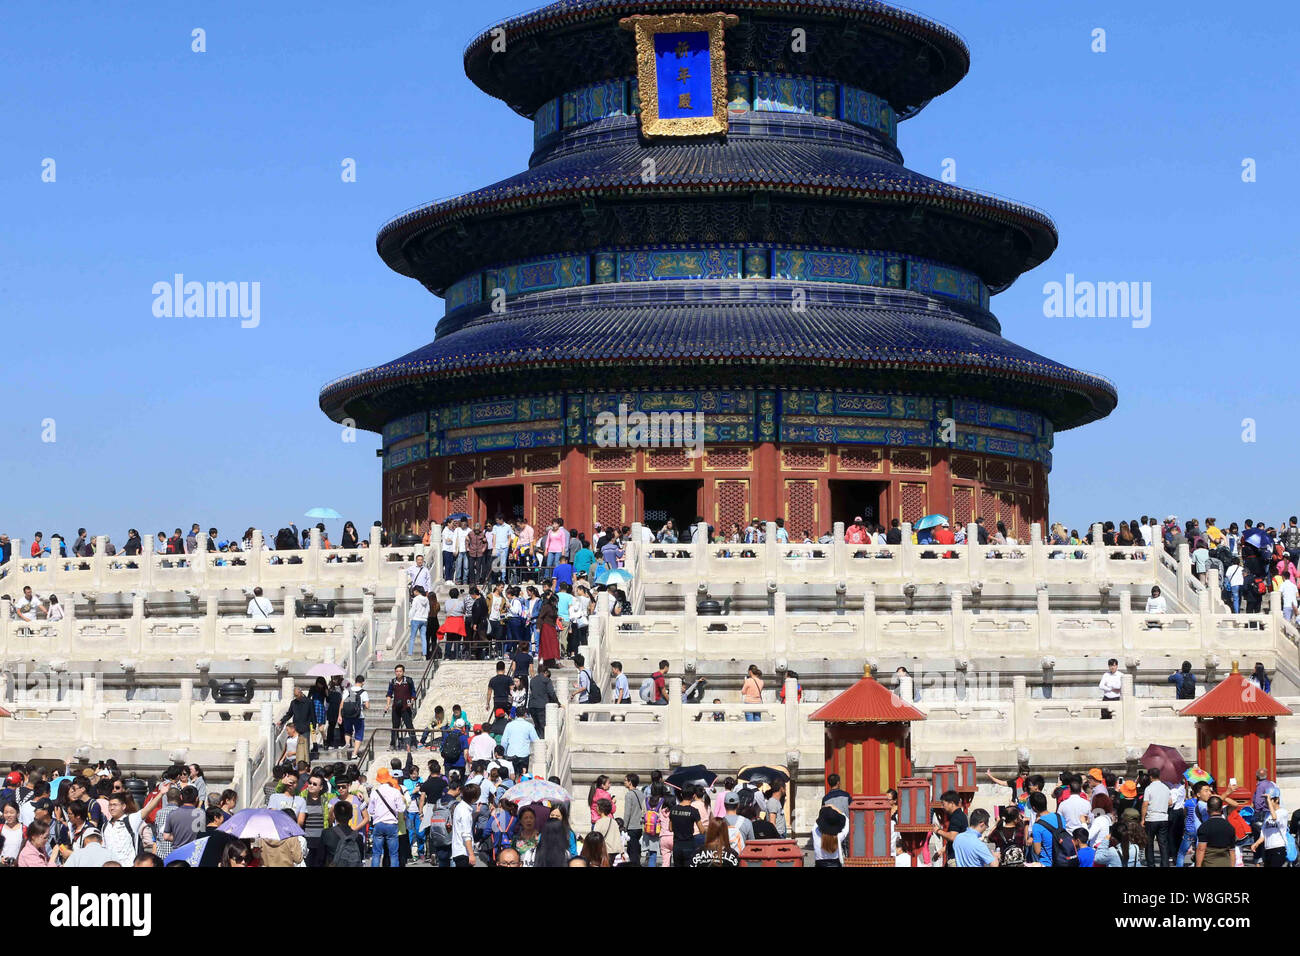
<point>1163,762</point>
<point>537,790</point>
<point>260,823</point>
<point>1197,774</point>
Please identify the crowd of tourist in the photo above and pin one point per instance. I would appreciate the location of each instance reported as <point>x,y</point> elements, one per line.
<point>475,804</point>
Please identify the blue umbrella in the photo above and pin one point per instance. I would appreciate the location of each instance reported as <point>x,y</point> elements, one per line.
<point>191,852</point>
<point>324,513</point>
<point>1259,538</point>
<point>930,521</point>
<point>458,516</point>
<point>614,576</point>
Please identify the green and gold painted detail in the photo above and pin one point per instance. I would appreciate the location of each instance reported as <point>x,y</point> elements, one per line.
<point>729,415</point>
<point>745,93</point>
<point>882,269</point>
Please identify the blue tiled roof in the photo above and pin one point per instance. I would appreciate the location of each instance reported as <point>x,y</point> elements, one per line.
<point>740,163</point>
<point>678,323</point>
<point>483,63</point>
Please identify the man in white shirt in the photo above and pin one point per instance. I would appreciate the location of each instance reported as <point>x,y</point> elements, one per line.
<point>1147,528</point>
<point>1075,809</point>
<point>28,606</point>
<point>1111,681</point>
<point>461,535</point>
<point>417,575</point>
<point>448,550</point>
<point>260,609</point>
<point>122,829</point>
<point>1290,596</point>
<point>501,545</point>
<point>481,745</point>
<point>462,828</point>
<point>1155,818</point>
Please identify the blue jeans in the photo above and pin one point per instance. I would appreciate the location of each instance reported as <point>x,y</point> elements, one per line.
<point>462,568</point>
<point>515,630</point>
<point>417,627</point>
<point>416,834</point>
<point>501,557</point>
<point>381,834</point>
<point>552,559</point>
<point>1236,598</point>
<point>753,716</point>
<point>1188,843</point>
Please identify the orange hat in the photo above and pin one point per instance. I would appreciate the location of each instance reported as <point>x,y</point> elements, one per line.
<point>1129,789</point>
<point>1095,773</point>
<point>478,728</point>
<point>382,775</point>
<point>500,712</point>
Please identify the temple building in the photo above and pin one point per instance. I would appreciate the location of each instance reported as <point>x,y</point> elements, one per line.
<point>716,235</point>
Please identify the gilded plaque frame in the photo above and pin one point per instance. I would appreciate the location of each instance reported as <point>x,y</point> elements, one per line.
<point>644,28</point>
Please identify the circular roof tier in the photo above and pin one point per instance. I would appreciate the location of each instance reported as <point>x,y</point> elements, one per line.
<point>814,191</point>
<point>728,331</point>
<point>896,54</point>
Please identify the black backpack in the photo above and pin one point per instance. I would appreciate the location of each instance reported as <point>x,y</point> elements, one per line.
<point>593,690</point>
<point>745,797</point>
<point>451,747</point>
<point>1063,851</point>
<point>347,852</point>
<point>352,706</point>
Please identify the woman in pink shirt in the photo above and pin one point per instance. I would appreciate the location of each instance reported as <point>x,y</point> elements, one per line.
<point>555,542</point>
<point>600,791</point>
<point>34,852</point>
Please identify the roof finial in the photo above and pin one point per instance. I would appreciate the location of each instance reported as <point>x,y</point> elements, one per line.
<point>1234,668</point>
<point>866,669</point>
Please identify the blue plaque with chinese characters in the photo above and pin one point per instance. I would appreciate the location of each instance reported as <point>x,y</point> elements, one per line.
<point>681,72</point>
<point>684,78</point>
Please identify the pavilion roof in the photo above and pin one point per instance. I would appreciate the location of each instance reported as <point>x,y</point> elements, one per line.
<point>1235,696</point>
<point>867,701</point>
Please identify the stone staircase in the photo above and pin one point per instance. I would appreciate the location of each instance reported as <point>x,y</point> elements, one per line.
<point>455,682</point>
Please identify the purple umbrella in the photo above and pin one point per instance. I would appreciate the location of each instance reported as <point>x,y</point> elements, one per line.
<point>1165,763</point>
<point>260,823</point>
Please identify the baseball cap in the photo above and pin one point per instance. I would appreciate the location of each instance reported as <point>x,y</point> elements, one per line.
<point>478,728</point>
<point>14,777</point>
<point>500,712</point>
<point>45,803</point>
<point>731,800</point>
<point>1273,793</point>
<point>91,832</point>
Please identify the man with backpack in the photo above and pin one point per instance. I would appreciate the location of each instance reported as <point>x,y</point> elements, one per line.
<point>343,845</point>
<point>587,691</point>
<point>455,742</point>
<point>1053,844</point>
<point>122,830</point>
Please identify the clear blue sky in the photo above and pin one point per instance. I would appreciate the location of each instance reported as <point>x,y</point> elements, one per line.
<point>226,166</point>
